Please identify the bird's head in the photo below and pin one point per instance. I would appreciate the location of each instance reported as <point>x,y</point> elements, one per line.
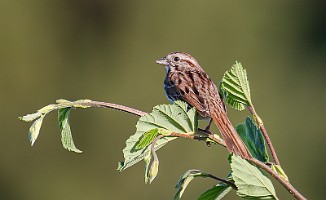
<point>179,61</point>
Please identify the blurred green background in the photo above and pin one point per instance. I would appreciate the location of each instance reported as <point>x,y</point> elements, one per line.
<point>105,50</point>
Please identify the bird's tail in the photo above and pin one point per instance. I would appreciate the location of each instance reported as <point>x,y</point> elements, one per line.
<point>233,142</point>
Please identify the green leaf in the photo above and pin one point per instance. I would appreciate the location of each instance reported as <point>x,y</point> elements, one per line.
<point>63,106</point>
<point>34,130</point>
<point>146,139</point>
<point>235,86</point>
<point>176,118</point>
<point>253,138</point>
<point>216,193</point>
<point>64,126</point>
<point>185,179</point>
<point>250,181</point>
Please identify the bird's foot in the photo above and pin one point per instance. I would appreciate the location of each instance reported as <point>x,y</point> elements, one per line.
<point>208,132</point>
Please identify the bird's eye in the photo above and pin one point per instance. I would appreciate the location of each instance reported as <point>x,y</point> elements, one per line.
<point>176,58</point>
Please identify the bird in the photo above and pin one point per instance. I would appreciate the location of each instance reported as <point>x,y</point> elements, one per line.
<point>187,81</point>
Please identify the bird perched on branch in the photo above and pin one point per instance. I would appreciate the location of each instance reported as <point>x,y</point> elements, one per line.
<point>187,81</point>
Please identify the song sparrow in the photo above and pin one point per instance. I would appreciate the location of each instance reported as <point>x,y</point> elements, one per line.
<point>187,81</point>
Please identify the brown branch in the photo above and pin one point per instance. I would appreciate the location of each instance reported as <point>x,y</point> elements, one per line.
<point>266,136</point>
<point>296,194</point>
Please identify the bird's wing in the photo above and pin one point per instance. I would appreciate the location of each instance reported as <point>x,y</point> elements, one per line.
<point>190,92</point>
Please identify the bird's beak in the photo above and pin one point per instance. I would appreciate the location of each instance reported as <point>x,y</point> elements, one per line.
<point>162,61</point>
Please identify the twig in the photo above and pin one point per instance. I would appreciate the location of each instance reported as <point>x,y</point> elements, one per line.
<point>266,136</point>
<point>114,106</point>
<point>223,180</point>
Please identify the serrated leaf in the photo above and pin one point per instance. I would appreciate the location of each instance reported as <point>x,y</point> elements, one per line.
<point>34,130</point>
<point>250,181</point>
<point>216,193</point>
<point>236,87</point>
<point>253,138</point>
<point>146,139</point>
<point>64,126</point>
<point>176,118</point>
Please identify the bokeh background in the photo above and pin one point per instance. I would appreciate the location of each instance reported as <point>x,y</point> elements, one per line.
<point>105,50</point>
